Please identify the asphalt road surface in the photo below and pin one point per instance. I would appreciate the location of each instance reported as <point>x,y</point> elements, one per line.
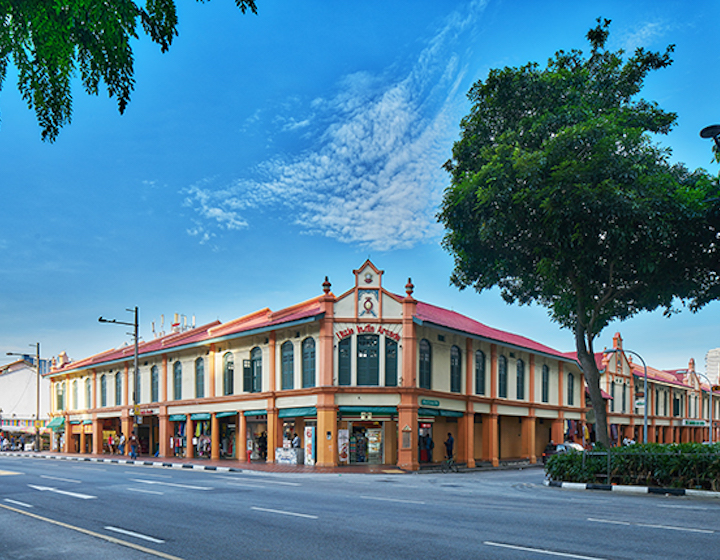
<point>52,509</point>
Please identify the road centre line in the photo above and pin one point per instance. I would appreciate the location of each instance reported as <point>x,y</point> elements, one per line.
<point>149,474</point>
<point>245,485</point>
<point>134,534</point>
<point>60,479</point>
<point>145,491</point>
<point>542,551</point>
<point>652,526</point>
<point>8,473</point>
<point>263,480</point>
<point>107,538</point>
<point>392,500</point>
<point>683,507</point>
<point>23,504</point>
<point>282,512</point>
<point>174,484</point>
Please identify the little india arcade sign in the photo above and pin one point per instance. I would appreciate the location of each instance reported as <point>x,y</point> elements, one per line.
<point>360,329</point>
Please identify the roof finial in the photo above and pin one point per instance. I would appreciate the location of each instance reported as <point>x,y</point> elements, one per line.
<point>409,287</point>
<point>326,285</point>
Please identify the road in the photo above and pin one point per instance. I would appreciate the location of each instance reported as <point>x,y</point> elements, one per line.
<point>53,509</point>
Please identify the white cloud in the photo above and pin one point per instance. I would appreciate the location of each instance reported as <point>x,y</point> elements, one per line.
<point>374,176</point>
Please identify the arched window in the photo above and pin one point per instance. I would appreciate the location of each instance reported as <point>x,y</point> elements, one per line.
<point>59,396</point>
<point>502,377</point>
<point>545,384</point>
<point>368,359</point>
<point>88,392</point>
<point>118,389</point>
<point>571,389</point>
<point>391,363</point>
<point>154,384</point>
<point>75,395</point>
<point>455,370</point>
<point>520,380</point>
<point>344,353</point>
<point>177,381</point>
<point>288,365</point>
<point>228,374</point>
<point>425,364</point>
<point>199,378</point>
<point>479,372</point>
<point>103,390</point>
<point>308,362</point>
<point>253,373</point>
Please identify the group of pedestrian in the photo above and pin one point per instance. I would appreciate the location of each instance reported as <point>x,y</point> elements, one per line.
<point>114,443</point>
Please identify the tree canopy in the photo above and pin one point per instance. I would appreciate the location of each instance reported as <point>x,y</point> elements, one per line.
<point>50,41</point>
<point>560,197</point>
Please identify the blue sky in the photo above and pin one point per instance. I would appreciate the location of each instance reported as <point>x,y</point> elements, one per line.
<point>262,153</point>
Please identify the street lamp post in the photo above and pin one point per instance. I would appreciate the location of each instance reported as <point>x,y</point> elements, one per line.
<point>37,391</point>
<point>645,387</point>
<point>135,337</point>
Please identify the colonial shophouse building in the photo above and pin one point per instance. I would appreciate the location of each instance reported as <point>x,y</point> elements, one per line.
<point>368,376</point>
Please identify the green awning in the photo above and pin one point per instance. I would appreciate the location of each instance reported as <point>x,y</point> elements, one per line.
<point>87,421</point>
<point>225,414</point>
<point>371,409</point>
<point>451,413</point>
<point>297,412</point>
<point>255,412</point>
<point>56,423</point>
<point>440,412</point>
<point>177,418</point>
<point>200,416</point>
<point>74,422</point>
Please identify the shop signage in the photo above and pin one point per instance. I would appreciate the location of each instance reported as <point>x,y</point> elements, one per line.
<point>361,329</point>
<point>701,423</point>
<point>429,402</point>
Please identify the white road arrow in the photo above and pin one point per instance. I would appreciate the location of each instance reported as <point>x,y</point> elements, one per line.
<point>63,492</point>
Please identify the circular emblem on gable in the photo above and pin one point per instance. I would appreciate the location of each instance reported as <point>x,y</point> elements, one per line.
<point>368,278</point>
<point>368,305</point>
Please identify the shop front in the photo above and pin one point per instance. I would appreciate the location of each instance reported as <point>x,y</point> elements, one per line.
<point>147,429</point>
<point>178,443</point>
<point>202,434</point>
<point>367,435</point>
<point>57,425</point>
<point>256,426</point>
<point>298,429</point>
<point>227,424</point>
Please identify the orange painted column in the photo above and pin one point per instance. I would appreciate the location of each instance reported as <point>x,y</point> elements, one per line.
<point>190,435</point>
<point>164,433</point>
<point>528,438</point>
<point>491,436</point>
<point>274,433</point>
<point>408,432</point>
<point>466,451</point>
<point>82,439</point>
<point>326,436</point>
<point>97,436</point>
<point>214,437</point>
<point>326,339</point>
<point>127,423</point>
<point>241,438</point>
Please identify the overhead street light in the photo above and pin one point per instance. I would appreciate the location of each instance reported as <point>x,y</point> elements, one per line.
<point>712,131</point>
<point>645,388</point>
<point>135,337</point>
<point>37,391</point>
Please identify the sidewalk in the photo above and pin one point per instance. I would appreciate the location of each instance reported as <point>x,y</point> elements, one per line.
<point>231,465</point>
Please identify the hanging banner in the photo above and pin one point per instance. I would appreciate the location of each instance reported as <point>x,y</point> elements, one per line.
<point>310,445</point>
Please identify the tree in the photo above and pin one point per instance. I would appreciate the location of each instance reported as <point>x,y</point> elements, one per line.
<point>559,197</point>
<point>50,40</point>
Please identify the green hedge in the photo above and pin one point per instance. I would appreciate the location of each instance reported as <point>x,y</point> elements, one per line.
<point>684,465</point>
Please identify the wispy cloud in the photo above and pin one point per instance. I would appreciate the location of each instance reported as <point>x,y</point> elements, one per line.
<point>374,176</point>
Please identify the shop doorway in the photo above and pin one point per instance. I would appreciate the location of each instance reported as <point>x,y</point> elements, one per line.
<point>366,442</point>
<point>425,442</point>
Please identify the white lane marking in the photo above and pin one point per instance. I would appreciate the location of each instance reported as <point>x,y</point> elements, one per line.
<point>60,479</point>
<point>683,507</point>
<point>244,485</point>
<point>8,500</point>
<point>188,486</point>
<point>263,481</point>
<point>94,469</point>
<point>150,474</point>
<point>282,512</point>
<point>392,500</point>
<point>145,491</point>
<point>652,526</point>
<point>134,534</point>
<point>542,551</point>
<point>63,492</point>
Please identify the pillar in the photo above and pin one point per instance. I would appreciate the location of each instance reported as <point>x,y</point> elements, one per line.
<point>214,437</point>
<point>82,439</point>
<point>241,438</point>
<point>128,424</point>
<point>164,433</point>
<point>408,432</point>
<point>491,435</point>
<point>466,449</point>
<point>190,434</point>
<point>326,436</point>
<point>97,436</point>
<point>274,432</point>
<point>557,430</point>
<point>528,438</point>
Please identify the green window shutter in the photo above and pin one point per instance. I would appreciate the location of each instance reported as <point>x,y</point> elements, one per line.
<point>344,372</point>
<point>247,376</point>
<point>368,362</point>
<point>288,365</point>
<point>308,363</point>
<point>391,350</point>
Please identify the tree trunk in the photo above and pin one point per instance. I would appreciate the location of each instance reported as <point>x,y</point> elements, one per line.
<point>592,378</point>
